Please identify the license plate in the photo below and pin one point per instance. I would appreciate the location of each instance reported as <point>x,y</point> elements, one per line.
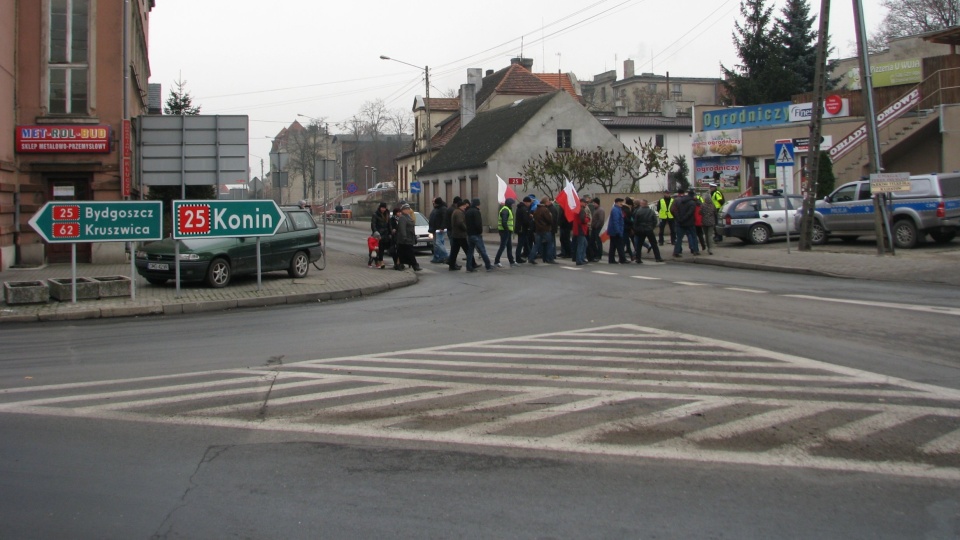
<point>158,266</point>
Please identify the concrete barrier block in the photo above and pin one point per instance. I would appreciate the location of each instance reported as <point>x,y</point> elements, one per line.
<point>112,286</point>
<point>25,292</point>
<point>62,289</point>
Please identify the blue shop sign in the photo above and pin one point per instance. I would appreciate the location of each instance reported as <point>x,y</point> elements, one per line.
<point>742,117</point>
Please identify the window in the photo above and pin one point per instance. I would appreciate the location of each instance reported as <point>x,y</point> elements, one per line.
<point>68,63</point>
<point>845,194</point>
<point>652,87</point>
<point>677,91</point>
<point>658,138</point>
<point>564,138</point>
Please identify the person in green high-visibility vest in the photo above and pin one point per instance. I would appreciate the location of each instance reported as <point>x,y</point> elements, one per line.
<point>666,217</point>
<point>505,226</point>
<point>717,197</point>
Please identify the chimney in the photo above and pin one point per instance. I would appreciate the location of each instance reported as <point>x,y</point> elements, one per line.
<point>525,62</point>
<point>668,108</point>
<point>475,77</point>
<point>489,72</point>
<point>468,104</point>
<point>628,69</point>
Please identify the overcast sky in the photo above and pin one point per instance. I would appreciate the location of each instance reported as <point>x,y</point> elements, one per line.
<point>274,60</point>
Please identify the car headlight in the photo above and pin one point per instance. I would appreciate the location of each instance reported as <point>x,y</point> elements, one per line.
<point>140,254</point>
<point>189,257</point>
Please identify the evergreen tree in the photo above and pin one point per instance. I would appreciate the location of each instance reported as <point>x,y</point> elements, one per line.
<point>761,77</point>
<point>180,102</point>
<point>799,38</point>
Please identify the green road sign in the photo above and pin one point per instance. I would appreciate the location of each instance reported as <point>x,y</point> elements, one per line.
<point>222,219</point>
<point>87,221</point>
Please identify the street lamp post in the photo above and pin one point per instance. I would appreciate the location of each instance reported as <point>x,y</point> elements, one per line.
<point>426,101</point>
<point>426,105</point>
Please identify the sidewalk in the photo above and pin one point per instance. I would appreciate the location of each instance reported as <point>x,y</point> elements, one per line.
<point>928,263</point>
<point>342,278</point>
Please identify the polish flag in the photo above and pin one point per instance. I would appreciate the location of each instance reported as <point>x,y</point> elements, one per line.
<point>504,191</point>
<point>569,201</point>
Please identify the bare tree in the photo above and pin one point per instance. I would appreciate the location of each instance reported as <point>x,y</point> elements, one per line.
<point>306,146</point>
<point>647,100</point>
<point>376,117</point>
<point>353,160</point>
<point>909,17</point>
<point>400,121</point>
<point>649,159</point>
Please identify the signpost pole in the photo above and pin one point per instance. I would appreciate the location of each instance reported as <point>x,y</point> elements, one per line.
<point>783,152</point>
<point>73,270</point>
<point>176,265</point>
<point>258,264</point>
<point>786,211</point>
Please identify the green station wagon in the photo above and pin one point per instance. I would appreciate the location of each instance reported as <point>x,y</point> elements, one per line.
<point>293,248</point>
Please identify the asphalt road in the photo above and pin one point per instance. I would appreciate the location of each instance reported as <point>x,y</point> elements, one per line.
<point>539,402</point>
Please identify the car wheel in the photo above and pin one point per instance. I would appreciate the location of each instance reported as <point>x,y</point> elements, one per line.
<point>299,265</point>
<point>904,234</point>
<point>156,281</point>
<point>818,236</point>
<point>943,237</point>
<point>759,234</point>
<point>218,274</point>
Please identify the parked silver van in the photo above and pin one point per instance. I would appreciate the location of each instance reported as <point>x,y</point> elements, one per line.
<point>932,206</point>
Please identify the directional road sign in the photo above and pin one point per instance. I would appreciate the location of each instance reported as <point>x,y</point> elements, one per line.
<point>223,219</point>
<point>784,151</point>
<point>414,187</point>
<point>87,221</point>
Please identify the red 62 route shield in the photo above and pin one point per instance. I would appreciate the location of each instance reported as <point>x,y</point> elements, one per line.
<point>223,219</point>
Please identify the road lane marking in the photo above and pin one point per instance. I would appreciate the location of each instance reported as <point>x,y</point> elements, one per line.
<point>690,283</point>
<point>647,277</point>
<point>738,289</point>
<point>910,307</point>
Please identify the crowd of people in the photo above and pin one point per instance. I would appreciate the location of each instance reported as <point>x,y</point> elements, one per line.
<point>631,228</point>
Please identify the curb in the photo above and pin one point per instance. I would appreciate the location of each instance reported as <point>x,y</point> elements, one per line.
<point>73,313</point>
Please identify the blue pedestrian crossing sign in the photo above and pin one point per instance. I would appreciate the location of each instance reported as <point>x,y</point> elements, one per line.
<point>783,149</point>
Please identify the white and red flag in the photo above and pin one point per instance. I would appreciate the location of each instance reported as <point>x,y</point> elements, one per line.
<point>569,201</point>
<point>504,191</point>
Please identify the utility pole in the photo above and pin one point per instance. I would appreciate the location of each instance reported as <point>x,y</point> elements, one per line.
<point>873,145</point>
<point>809,187</point>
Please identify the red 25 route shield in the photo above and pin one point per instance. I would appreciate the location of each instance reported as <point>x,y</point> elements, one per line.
<point>192,219</point>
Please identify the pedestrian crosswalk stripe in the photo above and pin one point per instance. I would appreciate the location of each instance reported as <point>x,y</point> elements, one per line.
<point>623,390</point>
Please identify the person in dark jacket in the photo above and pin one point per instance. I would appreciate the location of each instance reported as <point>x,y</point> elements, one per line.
<point>439,231</point>
<point>543,224</point>
<point>644,225</point>
<point>458,232</point>
<point>684,210</point>
<point>380,222</point>
<point>524,228</point>
<point>615,230</point>
<point>447,224</point>
<point>406,239</point>
<point>394,227</point>
<point>475,237</point>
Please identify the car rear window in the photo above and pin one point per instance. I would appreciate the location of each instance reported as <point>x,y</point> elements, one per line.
<point>302,220</point>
